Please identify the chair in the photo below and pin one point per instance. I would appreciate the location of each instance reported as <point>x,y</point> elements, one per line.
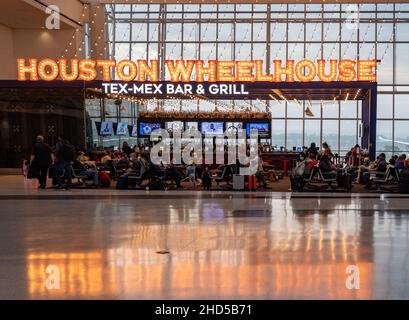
<point>391,178</point>
<point>224,175</point>
<point>136,175</point>
<point>328,177</point>
<point>81,177</point>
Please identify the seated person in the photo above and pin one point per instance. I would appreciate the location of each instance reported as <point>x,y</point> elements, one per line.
<point>379,168</point>
<point>400,162</point>
<point>191,174</point>
<point>105,158</point>
<point>312,151</point>
<point>83,169</point>
<point>326,165</point>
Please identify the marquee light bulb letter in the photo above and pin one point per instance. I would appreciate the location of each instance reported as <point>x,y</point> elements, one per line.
<point>302,66</point>
<point>332,76</point>
<point>106,68</point>
<point>287,70</point>
<point>145,71</point>
<point>366,70</point>
<point>132,70</point>
<point>178,70</point>
<point>64,71</point>
<point>87,70</point>
<point>48,69</point>
<point>210,70</point>
<point>22,69</point>
<point>346,69</point>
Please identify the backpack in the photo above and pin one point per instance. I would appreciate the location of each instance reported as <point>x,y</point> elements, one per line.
<point>404,181</point>
<point>123,182</point>
<point>68,151</point>
<point>104,179</point>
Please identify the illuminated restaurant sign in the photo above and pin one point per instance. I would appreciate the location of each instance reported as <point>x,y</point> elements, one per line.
<point>197,70</point>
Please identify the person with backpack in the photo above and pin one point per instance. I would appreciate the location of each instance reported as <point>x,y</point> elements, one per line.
<point>64,155</point>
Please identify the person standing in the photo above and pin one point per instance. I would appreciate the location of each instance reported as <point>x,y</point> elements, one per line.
<point>64,155</point>
<point>41,160</point>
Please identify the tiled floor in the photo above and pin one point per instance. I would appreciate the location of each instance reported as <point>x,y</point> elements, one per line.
<point>201,245</point>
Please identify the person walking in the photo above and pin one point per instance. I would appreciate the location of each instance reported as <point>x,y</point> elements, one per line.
<point>64,155</point>
<point>41,160</point>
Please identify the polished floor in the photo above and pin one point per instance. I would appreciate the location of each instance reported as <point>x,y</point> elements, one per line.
<point>200,245</point>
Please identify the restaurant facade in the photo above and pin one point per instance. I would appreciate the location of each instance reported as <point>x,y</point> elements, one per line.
<point>277,62</point>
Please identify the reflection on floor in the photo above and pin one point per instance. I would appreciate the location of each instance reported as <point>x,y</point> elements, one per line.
<point>221,245</point>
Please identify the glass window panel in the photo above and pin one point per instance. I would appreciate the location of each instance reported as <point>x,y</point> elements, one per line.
<point>208,32</point>
<point>278,31</point>
<point>330,133</point>
<point>277,109</point>
<point>367,31</point>
<point>402,65</point>
<point>348,134</point>
<point>153,51</point>
<point>243,32</point>
<point>138,51</point>
<point>191,51</point>
<point>225,32</point>
<point>259,32</point>
<point>122,31</point>
<point>312,132</point>
<point>173,31</point>
<point>297,32</point>
<point>121,51</point>
<point>331,31</point>
<point>313,31</point>
<point>225,51</point>
<point>348,109</point>
<point>139,31</point>
<point>402,32</point>
<point>190,31</point>
<point>242,51</point>
<point>401,141</point>
<point>401,106</point>
<point>331,51</point>
<point>153,31</point>
<point>349,31</point>
<point>294,110</point>
<point>384,106</point>
<point>294,133</point>
<point>385,67</point>
<point>207,51</point>
<point>385,31</point>
<point>383,135</point>
<point>330,109</point>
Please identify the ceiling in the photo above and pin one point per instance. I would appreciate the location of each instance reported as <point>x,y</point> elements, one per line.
<point>19,14</point>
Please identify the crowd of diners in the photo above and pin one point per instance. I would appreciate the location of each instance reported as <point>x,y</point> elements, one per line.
<point>63,162</point>
<point>355,163</point>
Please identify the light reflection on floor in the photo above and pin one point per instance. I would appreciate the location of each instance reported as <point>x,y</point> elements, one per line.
<point>108,248</point>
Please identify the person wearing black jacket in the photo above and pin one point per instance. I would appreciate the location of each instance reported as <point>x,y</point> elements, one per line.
<point>41,160</point>
<point>64,155</point>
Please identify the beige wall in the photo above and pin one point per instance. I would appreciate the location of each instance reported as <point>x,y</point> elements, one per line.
<point>8,65</point>
<point>33,43</point>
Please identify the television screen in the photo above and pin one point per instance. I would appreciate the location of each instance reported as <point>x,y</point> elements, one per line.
<point>232,126</point>
<point>192,125</point>
<point>174,126</point>
<point>122,129</point>
<point>263,129</point>
<point>106,128</point>
<point>147,128</point>
<point>212,127</point>
<point>134,131</point>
